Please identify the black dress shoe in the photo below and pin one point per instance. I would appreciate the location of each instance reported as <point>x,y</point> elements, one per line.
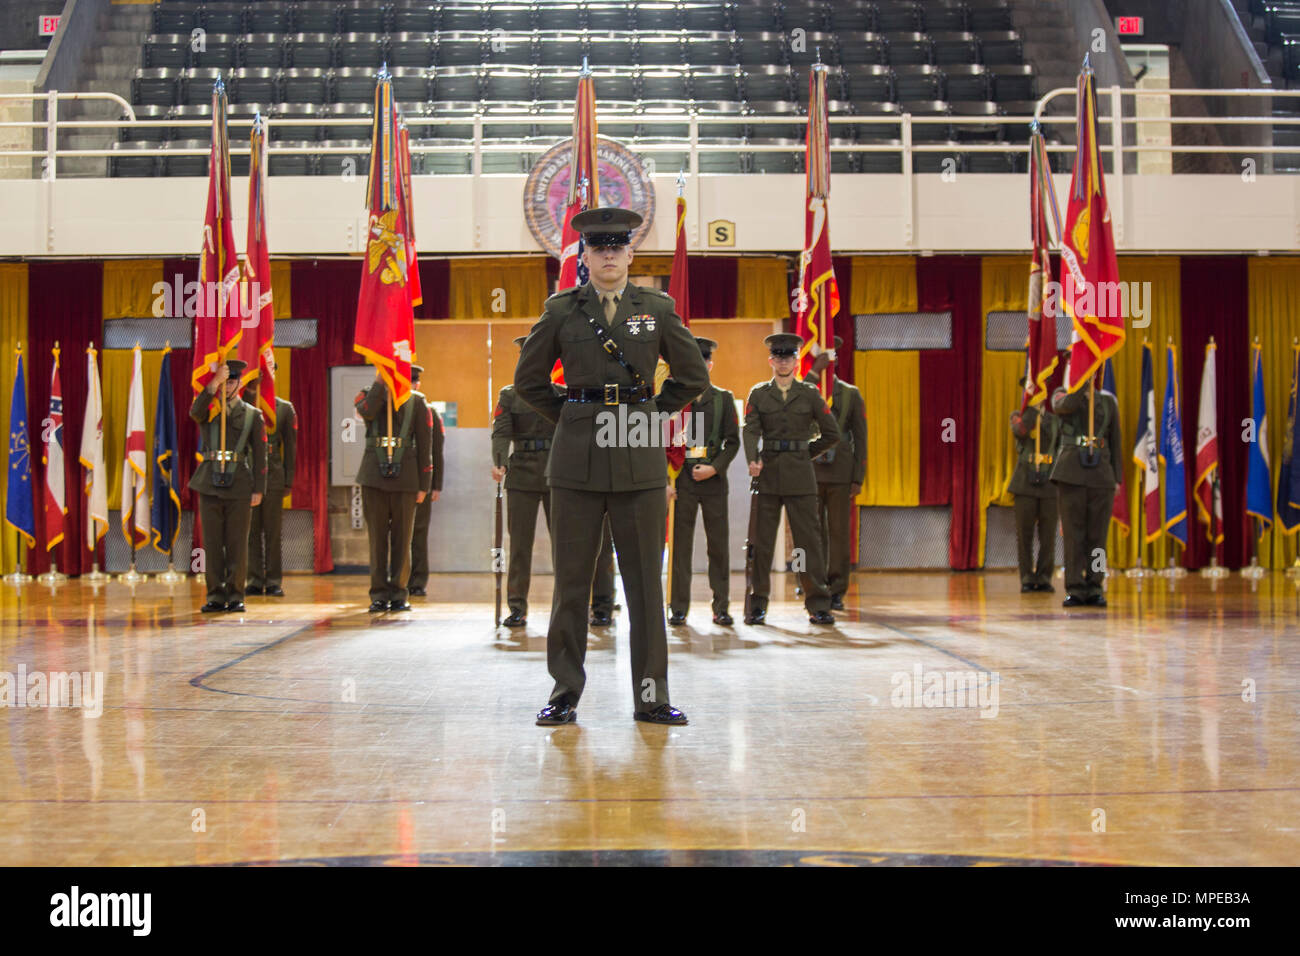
<point>676,618</point>
<point>553,714</point>
<point>212,607</point>
<point>377,606</point>
<point>1026,588</point>
<point>837,602</point>
<point>274,591</point>
<point>601,619</point>
<point>821,617</point>
<point>416,591</point>
<point>1098,601</point>
<point>759,616</point>
<point>663,714</point>
<point>515,620</point>
<point>1044,586</point>
<point>399,605</point>
<point>254,589</point>
<point>1074,601</point>
<point>236,606</point>
<point>723,620</point>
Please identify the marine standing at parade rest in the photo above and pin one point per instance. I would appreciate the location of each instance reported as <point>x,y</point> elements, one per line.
<point>1035,495</point>
<point>702,485</point>
<point>265,530</point>
<point>785,413</point>
<point>840,473</point>
<point>419,579</point>
<point>392,487</point>
<point>523,469</point>
<point>1085,477</point>
<point>607,457</point>
<point>229,485</point>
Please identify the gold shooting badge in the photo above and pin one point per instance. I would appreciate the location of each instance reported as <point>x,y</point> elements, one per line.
<point>386,249</point>
<point>634,325</point>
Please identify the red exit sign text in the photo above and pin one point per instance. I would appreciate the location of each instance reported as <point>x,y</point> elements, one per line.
<point>1128,26</point>
<point>49,25</point>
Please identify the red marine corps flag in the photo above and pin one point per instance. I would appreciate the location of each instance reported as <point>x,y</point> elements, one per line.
<point>584,190</point>
<point>679,289</point>
<point>1042,324</point>
<point>257,344</point>
<point>412,266</point>
<point>385,332</point>
<point>217,316</point>
<point>1089,269</point>
<point>817,300</point>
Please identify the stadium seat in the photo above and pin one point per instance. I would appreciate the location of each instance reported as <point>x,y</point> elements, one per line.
<point>268,18</point>
<point>660,49</point>
<point>885,160</point>
<point>126,165</point>
<point>336,164</point>
<point>410,49</point>
<point>196,84</point>
<point>897,16</point>
<point>366,50</point>
<point>364,16</point>
<point>986,163</point>
<point>714,83</point>
<point>411,84</point>
<point>152,134</point>
<point>360,117</point>
<point>216,50</point>
<point>316,17</point>
<point>906,49</point>
<point>762,49</point>
<point>852,16</point>
<point>928,132</point>
<point>297,164</point>
<point>185,114</point>
<point>177,165</point>
<point>309,50</point>
<point>262,49</point>
<point>1014,82</point>
<point>917,82</point>
<point>771,110</point>
<point>719,110</point>
<point>176,17</point>
<point>948,160</point>
<point>170,50</point>
<point>723,160</point>
<point>870,82</point>
<point>613,83</point>
<point>462,16</point>
<point>755,17</point>
<point>707,49</point>
<point>956,47</point>
<point>223,17</point>
<point>786,161</point>
<point>650,17</point>
<point>975,132</point>
<point>807,15</point>
<point>255,84</point>
<point>415,18</point>
<point>493,128</point>
<point>967,82</point>
<point>943,15</point>
<point>767,83</point>
<point>834,83</point>
<point>603,50</point>
<point>284,125</point>
<point>455,161</point>
<point>662,84</point>
<point>509,16</point>
<point>457,49</point>
<point>988,15</point>
<point>462,113</point>
<point>459,83</point>
<point>855,46</point>
<point>1017,132</point>
<point>556,48</point>
<point>1001,47</point>
<point>864,132</point>
<point>304,85</point>
<point>508,83</point>
<point>700,15</point>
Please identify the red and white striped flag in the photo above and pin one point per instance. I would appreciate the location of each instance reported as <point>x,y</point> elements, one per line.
<point>95,478</point>
<point>135,483</point>
<point>56,509</point>
<point>1206,489</point>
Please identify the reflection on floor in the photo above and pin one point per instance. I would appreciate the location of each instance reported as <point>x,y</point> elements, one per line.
<point>946,719</point>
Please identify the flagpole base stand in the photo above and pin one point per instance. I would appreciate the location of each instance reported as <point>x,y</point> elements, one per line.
<point>170,576</point>
<point>132,577</point>
<point>95,577</point>
<point>1140,572</point>
<point>1174,571</point>
<point>1254,572</point>
<point>1214,571</point>
<point>1293,571</point>
<point>18,577</point>
<point>52,578</point>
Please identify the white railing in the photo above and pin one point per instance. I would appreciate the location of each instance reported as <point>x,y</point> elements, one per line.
<point>693,127</point>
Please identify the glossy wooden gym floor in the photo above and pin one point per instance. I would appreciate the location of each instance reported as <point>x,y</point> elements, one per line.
<point>1163,730</point>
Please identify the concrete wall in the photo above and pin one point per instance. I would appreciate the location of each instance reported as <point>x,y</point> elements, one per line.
<point>18,23</point>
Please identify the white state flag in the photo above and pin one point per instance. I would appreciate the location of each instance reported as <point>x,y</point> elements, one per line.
<point>95,476</point>
<point>135,485</point>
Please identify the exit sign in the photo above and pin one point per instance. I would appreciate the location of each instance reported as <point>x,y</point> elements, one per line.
<point>48,25</point>
<point>1128,26</point>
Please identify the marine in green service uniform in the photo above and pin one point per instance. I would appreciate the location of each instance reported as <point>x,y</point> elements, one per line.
<point>391,488</point>
<point>701,486</point>
<point>1035,505</point>
<point>419,579</point>
<point>1085,485</point>
<point>607,456</point>
<point>840,472</point>
<point>786,414</point>
<point>229,485</point>
<point>265,571</point>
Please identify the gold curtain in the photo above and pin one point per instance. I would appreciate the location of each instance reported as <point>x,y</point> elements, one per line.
<point>128,287</point>
<point>13,331</point>
<point>1004,288</point>
<point>516,284</point>
<point>890,383</point>
<point>281,288</point>
<point>1163,304</point>
<point>1275,318</point>
<point>761,289</point>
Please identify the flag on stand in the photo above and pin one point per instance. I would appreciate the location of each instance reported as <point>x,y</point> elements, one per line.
<point>1259,481</point>
<point>817,299</point>
<point>56,506</point>
<point>1119,511</point>
<point>135,476</point>
<point>257,343</point>
<point>1206,487</point>
<point>385,331</point>
<point>166,514</point>
<point>679,290</point>
<point>1041,348</point>
<point>20,510</point>
<point>91,456</point>
<point>412,263</point>
<point>1171,455</point>
<point>1288,476</point>
<point>1145,451</point>
<point>217,320</point>
<point>1088,264</point>
<point>584,190</point>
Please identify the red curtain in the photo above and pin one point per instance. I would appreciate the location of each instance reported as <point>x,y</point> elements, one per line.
<point>712,286</point>
<point>1215,296</point>
<point>65,307</point>
<point>435,282</point>
<point>843,266</point>
<point>950,400</point>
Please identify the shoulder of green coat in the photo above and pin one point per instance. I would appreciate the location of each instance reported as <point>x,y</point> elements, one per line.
<point>564,295</point>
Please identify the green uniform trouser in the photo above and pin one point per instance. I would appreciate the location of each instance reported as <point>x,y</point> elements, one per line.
<point>805,529</point>
<point>420,544</point>
<point>714,509</point>
<point>390,518</point>
<point>1034,513</point>
<point>1085,519</point>
<point>225,546</point>
<point>636,520</point>
<point>264,570</point>
<point>602,583</point>
<point>521,521</point>
<point>835,512</point>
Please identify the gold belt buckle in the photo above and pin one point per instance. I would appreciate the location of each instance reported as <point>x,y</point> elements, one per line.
<point>611,394</point>
<point>698,451</point>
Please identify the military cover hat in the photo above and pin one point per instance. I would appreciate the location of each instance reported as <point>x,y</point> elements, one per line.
<point>415,372</point>
<point>707,346</point>
<point>606,225</point>
<point>519,341</point>
<point>236,367</point>
<point>783,343</point>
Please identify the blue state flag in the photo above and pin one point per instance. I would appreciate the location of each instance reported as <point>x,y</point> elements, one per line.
<point>20,513</point>
<point>1171,456</point>
<point>166,511</point>
<point>1259,484</point>
<point>1288,476</point>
